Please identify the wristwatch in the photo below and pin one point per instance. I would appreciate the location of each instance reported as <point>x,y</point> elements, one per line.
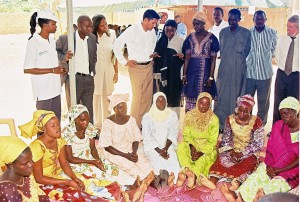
<point>211,78</point>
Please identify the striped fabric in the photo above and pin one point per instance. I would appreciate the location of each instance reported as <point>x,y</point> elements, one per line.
<point>259,60</point>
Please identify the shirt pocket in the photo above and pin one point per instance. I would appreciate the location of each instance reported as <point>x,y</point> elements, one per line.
<point>239,47</point>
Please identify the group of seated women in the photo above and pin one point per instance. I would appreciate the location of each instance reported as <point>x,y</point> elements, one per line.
<point>67,164</point>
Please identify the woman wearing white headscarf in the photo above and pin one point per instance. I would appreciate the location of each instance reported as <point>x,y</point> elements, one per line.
<point>120,138</point>
<point>160,132</point>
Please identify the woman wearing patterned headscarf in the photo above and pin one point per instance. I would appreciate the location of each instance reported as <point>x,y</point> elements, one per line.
<point>16,182</point>
<point>160,133</point>
<point>167,67</point>
<point>243,137</point>
<point>200,134</point>
<point>50,165</point>
<point>280,170</point>
<point>200,49</point>
<point>81,151</point>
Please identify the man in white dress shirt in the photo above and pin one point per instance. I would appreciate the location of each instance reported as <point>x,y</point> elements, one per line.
<point>85,52</point>
<point>140,40</point>
<point>219,24</point>
<point>287,57</point>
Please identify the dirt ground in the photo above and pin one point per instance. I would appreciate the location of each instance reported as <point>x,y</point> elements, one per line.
<point>16,99</point>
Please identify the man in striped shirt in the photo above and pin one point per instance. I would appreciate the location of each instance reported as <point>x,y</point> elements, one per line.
<point>259,63</point>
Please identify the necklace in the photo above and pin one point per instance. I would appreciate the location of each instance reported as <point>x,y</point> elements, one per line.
<point>242,123</point>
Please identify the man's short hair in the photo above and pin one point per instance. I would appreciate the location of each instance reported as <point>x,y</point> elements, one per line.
<point>151,14</point>
<point>235,11</point>
<point>82,18</point>
<point>260,12</point>
<point>294,19</point>
<point>220,9</point>
<point>177,16</point>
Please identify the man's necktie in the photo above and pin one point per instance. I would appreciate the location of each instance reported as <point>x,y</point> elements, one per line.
<point>289,58</point>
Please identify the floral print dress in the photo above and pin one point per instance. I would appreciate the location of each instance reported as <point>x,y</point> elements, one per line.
<point>81,149</point>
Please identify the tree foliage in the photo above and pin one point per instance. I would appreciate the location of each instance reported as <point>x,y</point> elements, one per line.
<point>11,6</point>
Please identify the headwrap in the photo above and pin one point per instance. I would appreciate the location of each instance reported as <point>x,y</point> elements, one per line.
<point>201,17</point>
<point>75,111</point>
<point>10,149</point>
<point>161,63</point>
<point>117,99</point>
<point>197,119</point>
<point>171,23</point>
<point>204,94</point>
<point>40,118</point>
<point>69,131</point>
<point>155,113</point>
<point>246,100</point>
<point>289,103</point>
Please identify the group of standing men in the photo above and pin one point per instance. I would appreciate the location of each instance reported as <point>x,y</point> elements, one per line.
<point>245,62</point>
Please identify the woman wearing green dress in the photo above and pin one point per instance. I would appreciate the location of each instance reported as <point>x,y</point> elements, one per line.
<point>200,134</point>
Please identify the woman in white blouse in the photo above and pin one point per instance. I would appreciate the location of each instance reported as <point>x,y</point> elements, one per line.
<point>106,68</point>
<point>160,133</point>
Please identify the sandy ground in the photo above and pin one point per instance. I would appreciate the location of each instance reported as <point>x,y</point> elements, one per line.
<point>15,87</point>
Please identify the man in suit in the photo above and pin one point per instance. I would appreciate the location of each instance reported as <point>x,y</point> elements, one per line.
<point>85,48</point>
<point>287,58</point>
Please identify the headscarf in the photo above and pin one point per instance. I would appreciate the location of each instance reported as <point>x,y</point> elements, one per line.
<point>155,113</point>
<point>201,17</point>
<point>171,23</point>
<point>69,131</point>
<point>117,99</point>
<point>161,63</point>
<point>11,148</point>
<point>40,118</point>
<point>245,100</point>
<point>289,103</point>
<point>197,119</point>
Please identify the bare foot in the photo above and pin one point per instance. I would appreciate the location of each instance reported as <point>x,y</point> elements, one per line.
<point>235,184</point>
<point>149,178</point>
<point>206,182</point>
<point>171,179</point>
<point>181,178</point>
<point>136,183</point>
<point>125,197</point>
<point>191,179</point>
<point>156,183</point>
<point>229,195</point>
<point>164,175</point>
<point>139,194</point>
<point>144,188</point>
<point>259,194</point>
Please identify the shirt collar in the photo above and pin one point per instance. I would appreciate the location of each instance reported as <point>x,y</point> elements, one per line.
<point>266,28</point>
<point>141,27</point>
<point>78,37</point>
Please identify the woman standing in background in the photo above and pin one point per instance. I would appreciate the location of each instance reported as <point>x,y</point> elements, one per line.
<point>106,68</point>
<point>200,49</point>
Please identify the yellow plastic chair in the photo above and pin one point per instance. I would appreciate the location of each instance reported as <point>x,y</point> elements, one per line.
<point>12,129</point>
<point>11,125</point>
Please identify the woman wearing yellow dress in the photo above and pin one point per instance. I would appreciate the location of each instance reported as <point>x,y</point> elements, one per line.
<point>51,168</point>
<point>200,134</point>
